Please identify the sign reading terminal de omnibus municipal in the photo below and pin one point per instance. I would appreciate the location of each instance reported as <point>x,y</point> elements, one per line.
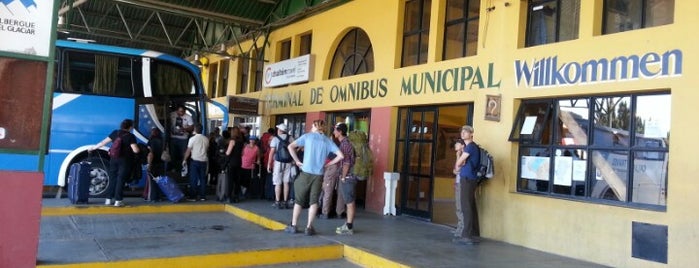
<point>286,72</point>
<point>550,72</point>
<point>25,26</point>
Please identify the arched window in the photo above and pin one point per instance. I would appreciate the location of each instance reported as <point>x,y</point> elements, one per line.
<point>353,55</point>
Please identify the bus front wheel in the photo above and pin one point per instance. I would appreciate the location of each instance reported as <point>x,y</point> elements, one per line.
<point>99,176</point>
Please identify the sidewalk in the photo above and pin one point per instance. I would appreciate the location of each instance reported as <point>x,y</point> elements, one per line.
<point>210,234</point>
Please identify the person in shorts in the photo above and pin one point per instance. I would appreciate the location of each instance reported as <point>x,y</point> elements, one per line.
<point>281,172</point>
<point>307,185</point>
<point>346,188</point>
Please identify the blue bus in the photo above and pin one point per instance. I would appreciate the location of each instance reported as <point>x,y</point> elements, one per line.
<point>98,86</point>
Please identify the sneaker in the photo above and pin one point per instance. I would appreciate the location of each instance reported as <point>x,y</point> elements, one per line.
<point>289,204</point>
<point>310,231</point>
<point>118,203</point>
<point>323,216</point>
<point>291,229</point>
<point>278,205</point>
<point>108,202</point>
<point>344,230</point>
<point>192,199</point>
<point>202,199</point>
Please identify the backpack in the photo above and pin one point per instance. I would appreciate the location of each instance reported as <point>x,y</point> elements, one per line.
<point>364,158</point>
<point>282,154</point>
<point>115,150</point>
<point>486,169</point>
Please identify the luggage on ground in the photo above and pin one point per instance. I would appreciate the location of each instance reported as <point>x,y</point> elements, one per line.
<point>256,184</point>
<point>151,191</point>
<point>79,182</point>
<point>269,187</point>
<point>169,188</point>
<point>222,187</point>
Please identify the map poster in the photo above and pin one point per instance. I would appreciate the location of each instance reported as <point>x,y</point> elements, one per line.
<point>535,167</point>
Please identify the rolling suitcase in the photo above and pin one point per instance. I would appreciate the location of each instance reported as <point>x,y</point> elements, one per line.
<point>222,186</point>
<point>269,187</point>
<point>79,182</point>
<point>169,188</point>
<point>151,192</point>
<point>256,184</point>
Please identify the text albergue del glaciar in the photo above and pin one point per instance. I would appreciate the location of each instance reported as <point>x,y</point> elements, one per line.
<point>17,26</point>
<point>433,82</point>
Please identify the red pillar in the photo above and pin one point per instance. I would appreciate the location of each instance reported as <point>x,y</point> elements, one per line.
<point>20,207</point>
<point>380,143</point>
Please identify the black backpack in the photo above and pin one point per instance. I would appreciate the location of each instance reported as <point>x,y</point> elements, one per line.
<point>486,168</point>
<point>282,154</point>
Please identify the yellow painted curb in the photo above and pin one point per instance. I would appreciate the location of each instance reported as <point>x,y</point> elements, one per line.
<point>239,259</point>
<point>94,210</point>
<point>254,218</point>
<point>367,259</point>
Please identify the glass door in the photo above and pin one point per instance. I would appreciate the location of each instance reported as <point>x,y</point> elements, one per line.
<point>415,158</point>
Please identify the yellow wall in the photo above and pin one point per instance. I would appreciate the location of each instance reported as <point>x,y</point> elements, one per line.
<point>595,232</point>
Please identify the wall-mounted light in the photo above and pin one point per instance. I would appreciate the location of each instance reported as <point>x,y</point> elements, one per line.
<point>196,61</point>
<point>200,61</point>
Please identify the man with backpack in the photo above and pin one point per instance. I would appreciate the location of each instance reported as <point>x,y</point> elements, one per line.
<point>280,164</point>
<point>468,165</point>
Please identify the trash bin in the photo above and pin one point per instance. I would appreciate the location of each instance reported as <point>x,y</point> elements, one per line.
<point>391,182</point>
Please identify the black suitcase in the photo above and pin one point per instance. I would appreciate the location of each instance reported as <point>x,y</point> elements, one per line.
<point>256,184</point>
<point>269,187</point>
<point>79,182</point>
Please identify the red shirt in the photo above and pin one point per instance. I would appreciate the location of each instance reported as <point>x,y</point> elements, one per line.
<point>264,144</point>
<point>249,156</point>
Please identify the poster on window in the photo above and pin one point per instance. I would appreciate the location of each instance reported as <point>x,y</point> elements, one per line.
<point>25,26</point>
<point>564,171</point>
<point>535,167</point>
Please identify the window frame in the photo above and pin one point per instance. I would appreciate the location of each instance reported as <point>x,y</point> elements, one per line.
<point>531,5</point>
<point>634,151</point>
<point>606,9</point>
<point>285,50</point>
<point>422,29</point>
<point>464,20</point>
<point>355,58</point>
<point>305,44</point>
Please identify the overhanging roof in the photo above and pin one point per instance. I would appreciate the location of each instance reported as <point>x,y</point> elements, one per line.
<point>180,27</point>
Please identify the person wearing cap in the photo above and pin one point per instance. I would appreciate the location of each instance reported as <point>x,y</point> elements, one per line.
<point>467,165</point>
<point>308,184</point>
<point>250,157</point>
<point>346,191</point>
<point>281,172</point>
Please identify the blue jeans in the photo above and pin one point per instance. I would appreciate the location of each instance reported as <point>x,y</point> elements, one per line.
<point>197,175</point>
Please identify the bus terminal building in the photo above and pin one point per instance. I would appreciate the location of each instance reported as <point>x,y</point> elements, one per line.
<point>574,99</point>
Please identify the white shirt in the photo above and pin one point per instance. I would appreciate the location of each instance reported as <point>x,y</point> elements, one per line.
<point>199,145</point>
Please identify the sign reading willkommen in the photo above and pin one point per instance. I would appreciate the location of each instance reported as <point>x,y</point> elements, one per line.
<point>25,26</point>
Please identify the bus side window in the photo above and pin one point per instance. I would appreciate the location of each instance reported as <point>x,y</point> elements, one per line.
<point>99,74</point>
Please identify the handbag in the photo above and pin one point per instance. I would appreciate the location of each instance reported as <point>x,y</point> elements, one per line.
<point>165,156</point>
